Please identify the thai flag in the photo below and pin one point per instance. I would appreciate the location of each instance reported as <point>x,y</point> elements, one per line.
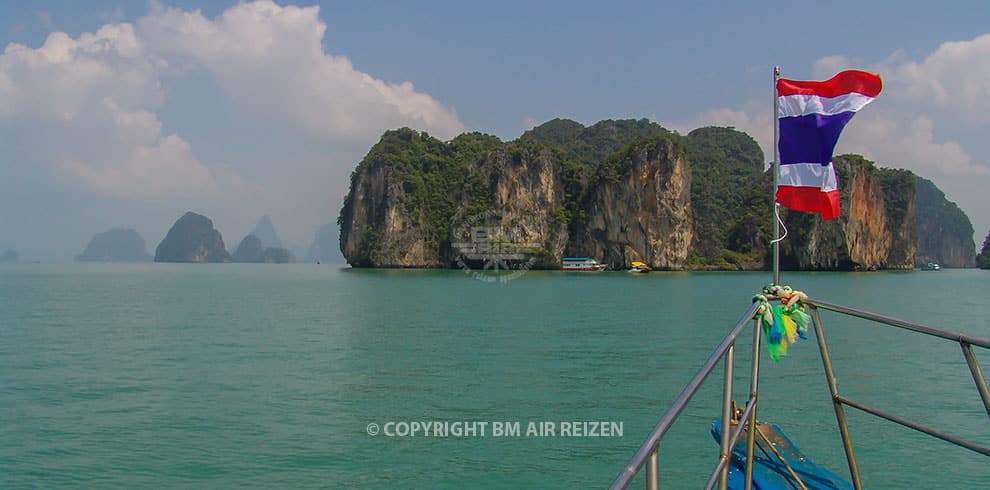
<point>811,116</point>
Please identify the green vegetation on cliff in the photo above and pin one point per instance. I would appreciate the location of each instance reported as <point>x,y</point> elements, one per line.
<point>945,234</point>
<point>586,155</point>
<point>730,197</point>
<point>899,191</point>
<point>589,146</point>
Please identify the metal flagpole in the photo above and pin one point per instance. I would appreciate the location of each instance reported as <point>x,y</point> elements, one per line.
<point>776,179</point>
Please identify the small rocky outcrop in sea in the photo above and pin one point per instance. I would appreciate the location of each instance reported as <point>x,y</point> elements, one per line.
<point>192,239</point>
<point>252,251</point>
<point>9,256</point>
<point>115,245</point>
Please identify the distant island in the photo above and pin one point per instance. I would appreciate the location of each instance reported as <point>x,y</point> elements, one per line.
<point>630,190</point>
<point>326,245</point>
<point>9,255</point>
<point>265,231</point>
<point>983,260</point>
<point>192,239</point>
<point>115,245</point>
<point>252,250</point>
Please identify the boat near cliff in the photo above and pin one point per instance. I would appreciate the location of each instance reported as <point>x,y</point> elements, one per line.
<point>639,268</point>
<point>931,266</point>
<point>582,264</point>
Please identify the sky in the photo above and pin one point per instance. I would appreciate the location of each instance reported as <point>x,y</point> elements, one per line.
<point>128,114</point>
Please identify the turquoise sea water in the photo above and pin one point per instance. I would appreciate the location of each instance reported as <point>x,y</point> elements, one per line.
<point>220,376</point>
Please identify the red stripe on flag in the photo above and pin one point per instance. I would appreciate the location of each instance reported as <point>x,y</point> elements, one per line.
<point>809,199</point>
<point>842,83</point>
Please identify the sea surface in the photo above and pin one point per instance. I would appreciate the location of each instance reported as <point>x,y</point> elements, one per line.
<point>264,376</point>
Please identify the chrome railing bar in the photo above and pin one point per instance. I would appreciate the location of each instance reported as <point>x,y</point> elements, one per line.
<point>726,350</point>
<point>977,372</point>
<point>723,463</point>
<point>627,474</point>
<point>916,426</point>
<point>937,332</point>
<point>833,388</point>
<point>653,469</point>
<point>754,388</point>
<point>725,449</point>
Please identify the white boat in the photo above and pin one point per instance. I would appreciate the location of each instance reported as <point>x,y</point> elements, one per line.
<point>582,264</point>
<point>932,266</point>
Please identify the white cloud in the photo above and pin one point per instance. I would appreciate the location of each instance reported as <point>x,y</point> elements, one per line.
<point>91,105</point>
<point>166,169</point>
<point>908,141</point>
<point>269,59</point>
<point>954,80</point>
<point>98,97</point>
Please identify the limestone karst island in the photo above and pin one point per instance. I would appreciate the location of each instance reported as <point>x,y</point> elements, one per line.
<point>630,191</point>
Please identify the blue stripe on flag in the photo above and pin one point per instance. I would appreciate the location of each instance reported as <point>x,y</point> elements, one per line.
<point>810,138</point>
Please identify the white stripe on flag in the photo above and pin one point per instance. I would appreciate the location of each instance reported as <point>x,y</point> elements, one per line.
<point>802,105</point>
<point>809,175</point>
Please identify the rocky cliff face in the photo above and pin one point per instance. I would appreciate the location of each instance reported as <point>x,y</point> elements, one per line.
<point>192,239</point>
<point>640,209</point>
<point>381,232</point>
<point>515,214</point>
<point>945,234</point>
<point>874,231</point>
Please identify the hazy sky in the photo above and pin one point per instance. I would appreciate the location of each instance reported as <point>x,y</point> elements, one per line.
<point>128,114</point>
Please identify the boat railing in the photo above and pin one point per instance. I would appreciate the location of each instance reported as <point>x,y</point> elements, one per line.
<point>648,454</point>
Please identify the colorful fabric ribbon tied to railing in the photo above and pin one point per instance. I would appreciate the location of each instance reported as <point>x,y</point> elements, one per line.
<point>783,322</point>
